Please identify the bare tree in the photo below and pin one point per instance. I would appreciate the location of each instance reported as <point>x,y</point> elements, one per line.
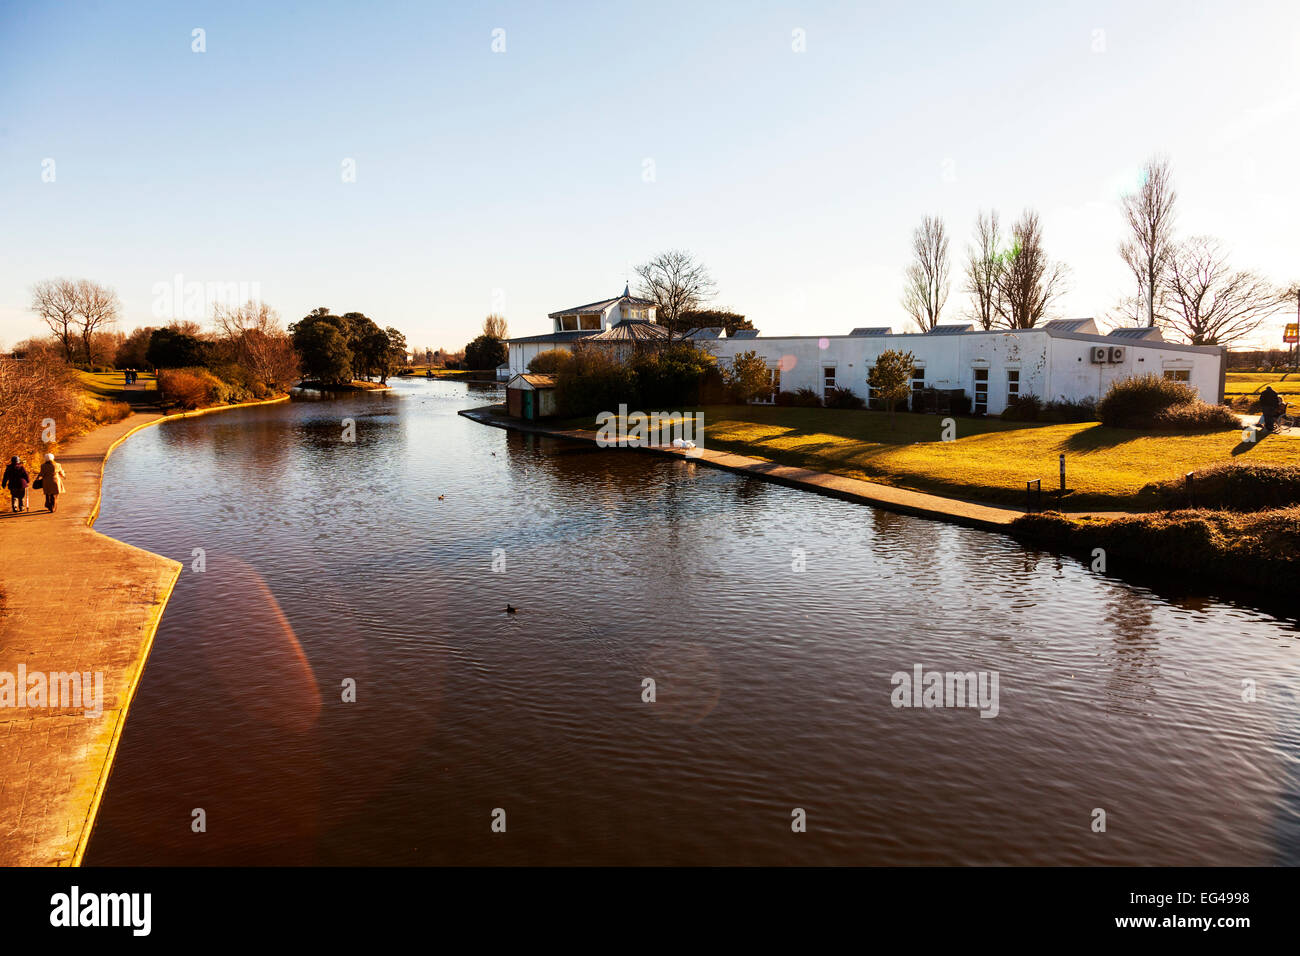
<point>1029,282</point>
<point>55,301</point>
<point>97,309</point>
<point>494,326</point>
<point>1150,215</point>
<point>1212,303</point>
<point>983,268</point>
<point>926,290</point>
<point>676,283</point>
<point>258,342</point>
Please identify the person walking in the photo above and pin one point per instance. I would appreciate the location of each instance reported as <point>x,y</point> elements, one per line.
<point>51,481</point>
<point>16,479</point>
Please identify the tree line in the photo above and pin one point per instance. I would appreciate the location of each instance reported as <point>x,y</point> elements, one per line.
<point>339,349</point>
<point>1187,286</point>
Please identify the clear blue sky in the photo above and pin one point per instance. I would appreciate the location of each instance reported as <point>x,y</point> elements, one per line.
<point>797,177</point>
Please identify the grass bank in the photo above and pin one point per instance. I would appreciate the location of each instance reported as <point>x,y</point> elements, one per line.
<point>1205,548</point>
<point>988,460</point>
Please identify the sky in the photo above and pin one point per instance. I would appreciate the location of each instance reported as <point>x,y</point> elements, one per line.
<point>429,163</point>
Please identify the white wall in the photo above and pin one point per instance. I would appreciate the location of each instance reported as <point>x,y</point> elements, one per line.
<point>1050,366</point>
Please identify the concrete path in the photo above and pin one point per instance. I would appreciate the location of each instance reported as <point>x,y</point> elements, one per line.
<point>901,500</point>
<point>73,600</point>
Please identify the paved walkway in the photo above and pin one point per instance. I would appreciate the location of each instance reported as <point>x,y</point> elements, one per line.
<point>73,600</point>
<point>888,497</point>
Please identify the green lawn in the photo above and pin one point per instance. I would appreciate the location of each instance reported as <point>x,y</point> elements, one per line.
<point>110,385</point>
<point>989,460</point>
<point>1252,383</point>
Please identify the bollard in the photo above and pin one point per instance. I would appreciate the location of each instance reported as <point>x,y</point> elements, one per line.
<point>1062,473</point>
<point>1191,492</point>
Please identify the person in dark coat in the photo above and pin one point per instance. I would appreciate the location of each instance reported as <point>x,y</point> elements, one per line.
<point>1270,403</point>
<point>16,479</point>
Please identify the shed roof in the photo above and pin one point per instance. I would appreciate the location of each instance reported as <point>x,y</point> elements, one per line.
<point>532,380</point>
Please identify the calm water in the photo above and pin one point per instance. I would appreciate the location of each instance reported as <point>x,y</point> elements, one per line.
<point>329,563</point>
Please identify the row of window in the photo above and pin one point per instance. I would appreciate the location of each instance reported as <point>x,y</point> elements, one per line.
<point>980,401</point>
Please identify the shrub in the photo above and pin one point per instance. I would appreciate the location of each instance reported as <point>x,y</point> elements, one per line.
<point>1235,486</point>
<point>1195,416</point>
<point>240,383</point>
<point>959,404</point>
<point>670,376</point>
<point>105,413</point>
<point>1064,410</point>
<point>191,387</point>
<point>1134,402</point>
<point>550,361</point>
<point>799,398</point>
<point>843,398</point>
<point>594,381</point>
<point>1022,408</point>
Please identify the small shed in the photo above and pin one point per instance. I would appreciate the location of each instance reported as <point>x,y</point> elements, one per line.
<point>530,396</point>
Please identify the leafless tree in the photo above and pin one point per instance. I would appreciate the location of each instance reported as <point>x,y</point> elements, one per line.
<point>1150,215</point>
<point>97,309</point>
<point>259,342</point>
<point>676,283</point>
<point>55,301</point>
<point>1212,303</point>
<point>494,326</point>
<point>983,268</point>
<point>1029,282</point>
<point>926,289</point>
<point>32,391</point>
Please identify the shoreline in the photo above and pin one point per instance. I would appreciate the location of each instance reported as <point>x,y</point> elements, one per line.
<point>901,500</point>
<point>76,601</point>
<point>1232,576</point>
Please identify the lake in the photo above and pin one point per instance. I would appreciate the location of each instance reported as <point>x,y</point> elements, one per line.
<point>336,679</point>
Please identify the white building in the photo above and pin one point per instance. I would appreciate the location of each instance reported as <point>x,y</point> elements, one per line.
<point>582,322</point>
<point>1065,358</point>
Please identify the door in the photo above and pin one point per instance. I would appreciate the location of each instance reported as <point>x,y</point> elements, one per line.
<point>529,412</point>
<point>981,391</point>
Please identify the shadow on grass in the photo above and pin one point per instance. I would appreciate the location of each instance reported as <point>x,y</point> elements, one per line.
<point>1099,438</point>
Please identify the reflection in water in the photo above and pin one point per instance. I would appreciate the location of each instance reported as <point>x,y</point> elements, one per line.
<point>770,621</point>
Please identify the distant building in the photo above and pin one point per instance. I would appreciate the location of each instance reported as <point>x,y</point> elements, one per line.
<point>1064,358</point>
<point>616,316</point>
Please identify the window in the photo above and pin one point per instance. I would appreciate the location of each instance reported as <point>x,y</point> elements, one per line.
<point>918,388</point>
<point>1178,374</point>
<point>568,323</point>
<point>828,380</point>
<point>981,391</point>
<point>774,386</point>
<point>1013,384</point>
<point>589,322</point>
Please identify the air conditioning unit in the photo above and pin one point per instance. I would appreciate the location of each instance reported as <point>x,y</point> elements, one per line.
<point>1116,354</point>
<point>1098,354</point>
